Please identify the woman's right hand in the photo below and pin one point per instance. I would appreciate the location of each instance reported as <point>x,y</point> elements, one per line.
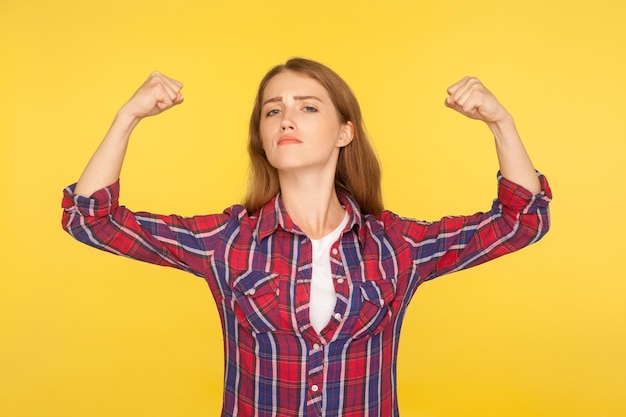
<point>157,94</point>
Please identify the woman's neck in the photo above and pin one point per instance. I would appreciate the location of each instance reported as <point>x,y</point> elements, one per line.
<point>312,204</point>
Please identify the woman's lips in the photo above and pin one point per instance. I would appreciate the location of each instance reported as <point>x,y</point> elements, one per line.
<point>288,139</point>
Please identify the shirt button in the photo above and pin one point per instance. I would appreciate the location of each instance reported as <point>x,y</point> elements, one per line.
<point>315,388</point>
<point>340,281</point>
<point>337,316</point>
<point>334,251</point>
<point>316,347</point>
<point>251,291</point>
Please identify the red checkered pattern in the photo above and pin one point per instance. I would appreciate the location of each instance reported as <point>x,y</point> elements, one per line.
<point>258,267</point>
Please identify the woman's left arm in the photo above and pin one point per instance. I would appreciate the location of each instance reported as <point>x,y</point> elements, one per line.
<point>472,99</point>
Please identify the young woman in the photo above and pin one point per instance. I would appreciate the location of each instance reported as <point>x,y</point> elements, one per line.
<point>310,275</point>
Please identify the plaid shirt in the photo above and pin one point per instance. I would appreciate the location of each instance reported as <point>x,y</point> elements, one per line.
<point>258,267</point>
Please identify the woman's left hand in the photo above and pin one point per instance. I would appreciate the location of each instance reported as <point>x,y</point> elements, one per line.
<point>472,99</point>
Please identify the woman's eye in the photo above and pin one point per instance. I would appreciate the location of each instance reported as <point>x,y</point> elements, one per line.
<point>272,112</point>
<point>310,109</point>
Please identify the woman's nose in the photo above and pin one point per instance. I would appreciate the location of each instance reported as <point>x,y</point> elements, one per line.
<point>287,122</point>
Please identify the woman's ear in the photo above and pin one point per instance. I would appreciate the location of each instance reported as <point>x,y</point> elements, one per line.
<point>346,135</point>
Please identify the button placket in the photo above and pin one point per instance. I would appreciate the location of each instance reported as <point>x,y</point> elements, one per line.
<point>340,284</point>
<point>316,371</point>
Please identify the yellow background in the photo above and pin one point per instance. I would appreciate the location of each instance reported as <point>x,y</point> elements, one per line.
<point>537,333</point>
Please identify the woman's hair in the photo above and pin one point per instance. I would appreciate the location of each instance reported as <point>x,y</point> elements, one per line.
<point>357,171</point>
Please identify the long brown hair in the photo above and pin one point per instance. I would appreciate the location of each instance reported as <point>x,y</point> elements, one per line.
<point>358,170</point>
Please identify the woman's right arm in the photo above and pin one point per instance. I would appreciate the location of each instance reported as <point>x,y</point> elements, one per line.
<point>92,214</point>
<point>157,94</point>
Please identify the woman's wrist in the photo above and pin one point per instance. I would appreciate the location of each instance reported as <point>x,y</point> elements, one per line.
<point>503,127</point>
<point>123,124</point>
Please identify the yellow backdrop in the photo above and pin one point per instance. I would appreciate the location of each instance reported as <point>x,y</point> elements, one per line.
<point>537,333</point>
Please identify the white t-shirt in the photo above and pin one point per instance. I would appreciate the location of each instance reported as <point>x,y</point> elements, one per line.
<point>323,295</point>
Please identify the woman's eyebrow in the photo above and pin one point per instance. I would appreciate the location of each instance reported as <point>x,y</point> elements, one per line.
<point>297,98</point>
<point>300,98</point>
<point>272,100</point>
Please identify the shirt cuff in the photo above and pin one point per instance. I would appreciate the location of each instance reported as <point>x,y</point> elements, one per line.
<point>100,204</point>
<point>517,197</point>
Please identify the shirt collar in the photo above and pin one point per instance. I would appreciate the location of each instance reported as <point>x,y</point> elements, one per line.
<point>273,214</point>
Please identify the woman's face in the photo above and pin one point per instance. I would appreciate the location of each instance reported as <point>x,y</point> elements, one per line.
<point>300,127</point>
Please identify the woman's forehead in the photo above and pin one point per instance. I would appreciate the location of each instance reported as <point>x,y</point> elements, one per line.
<point>290,83</point>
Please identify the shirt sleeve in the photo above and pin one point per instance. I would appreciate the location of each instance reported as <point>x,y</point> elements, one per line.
<point>517,219</point>
<point>180,242</point>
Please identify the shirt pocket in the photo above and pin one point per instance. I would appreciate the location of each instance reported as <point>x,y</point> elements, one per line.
<point>256,300</point>
<point>375,310</point>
